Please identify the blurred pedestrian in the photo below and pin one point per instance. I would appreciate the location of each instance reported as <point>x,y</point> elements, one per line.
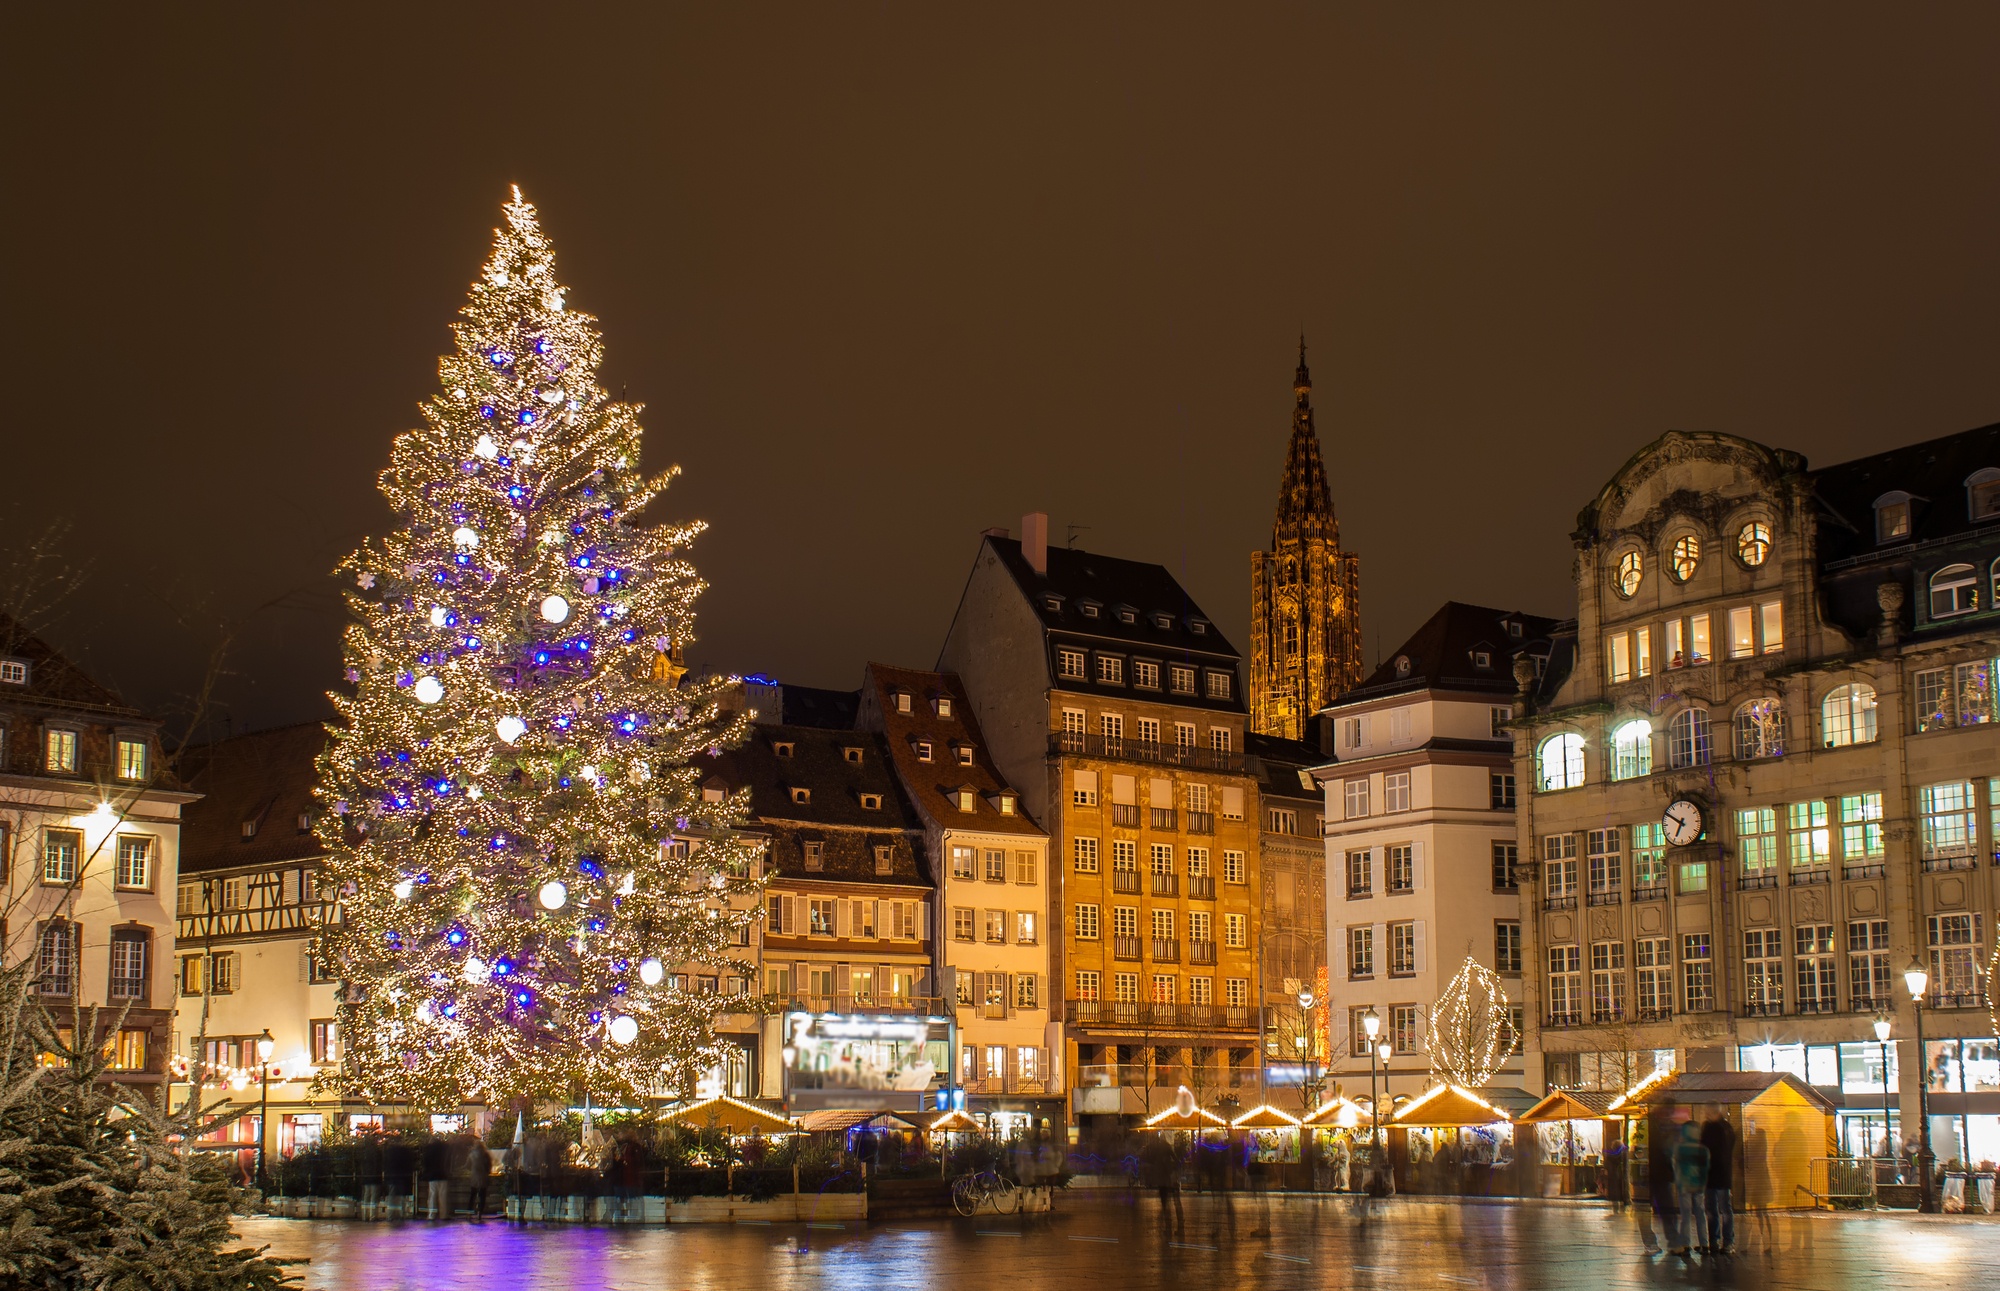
<point>1660,1184</point>
<point>1691,1186</point>
<point>399,1172</point>
<point>434,1164</point>
<point>1719,1137</point>
<point>478,1166</point>
<point>368,1166</point>
<point>1162,1171</point>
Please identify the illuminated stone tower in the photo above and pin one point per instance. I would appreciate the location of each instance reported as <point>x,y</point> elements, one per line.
<point>1305,592</point>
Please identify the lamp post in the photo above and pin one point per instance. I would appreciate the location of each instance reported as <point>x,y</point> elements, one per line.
<point>1306,1002</point>
<point>1917,980</point>
<point>1882,1039</point>
<point>265,1046</point>
<point>1371,1022</point>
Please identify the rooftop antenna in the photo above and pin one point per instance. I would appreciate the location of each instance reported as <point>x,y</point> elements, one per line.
<point>1073,530</point>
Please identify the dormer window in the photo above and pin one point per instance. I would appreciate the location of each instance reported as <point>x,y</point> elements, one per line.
<point>1126,614</point>
<point>1198,626</point>
<point>885,860</point>
<point>1514,628</point>
<point>967,799</point>
<point>902,698</point>
<point>1164,622</point>
<point>1006,804</point>
<point>1892,517</point>
<point>965,755</point>
<point>801,794</point>
<point>60,751</point>
<point>1482,658</point>
<point>923,748</point>
<point>305,823</point>
<point>851,753</point>
<point>249,830</point>
<point>1089,608</point>
<point>815,855</point>
<point>871,802</point>
<point>714,789</point>
<point>782,748</point>
<point>1982,495</point>
<point>943,705</point>
<point>1053,604</point>
<point>1954,591</point>
<point>13,672</point>
<point>1111,670</point>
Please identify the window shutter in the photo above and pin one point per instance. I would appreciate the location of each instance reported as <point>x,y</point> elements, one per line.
<point>798,920</point>
<point>1010,983</point>
<point>1417,943</point>
<point>1086,782</point>
<point>1423,1029</point>
<point>288,887</point>
<point>1232,802</point>
<point>923,921</point>
<point>305,965</point>
<point>1380,936</point>
<point>1160,792</point>
<point>1041,1002</point>
<point>1417,865</point>
<point>1124,791</point>
<point>843,915</point>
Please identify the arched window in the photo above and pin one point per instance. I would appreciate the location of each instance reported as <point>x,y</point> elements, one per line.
<point>1847,716</point>
<point>1687,739</point>
<point>1561,762</point>
<point>1686,557</point>
<point>1632,750</point>
<point>1954,590</point>
<point>1631,572</point>
<point>1760,729</point>
<point>1753,544</point>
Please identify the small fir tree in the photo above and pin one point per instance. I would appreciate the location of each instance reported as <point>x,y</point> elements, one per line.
<point>518,755</point>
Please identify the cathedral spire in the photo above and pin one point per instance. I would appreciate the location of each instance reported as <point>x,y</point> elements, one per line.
<point>1305,504</point>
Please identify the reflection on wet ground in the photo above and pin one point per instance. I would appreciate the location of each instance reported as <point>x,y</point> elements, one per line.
<point>1106,1242</point>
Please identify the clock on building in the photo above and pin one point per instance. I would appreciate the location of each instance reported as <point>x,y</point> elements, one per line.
<point>1682,822</point>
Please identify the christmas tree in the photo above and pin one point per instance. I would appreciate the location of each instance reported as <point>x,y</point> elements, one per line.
<point>517,826</point>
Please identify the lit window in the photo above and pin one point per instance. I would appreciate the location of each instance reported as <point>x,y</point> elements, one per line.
<point>1954,590</point>
<point>923,750</point>
<point>131,759</point>
<point>61,753</point>
<point>1753,544</point>
<point>1742,633</point>
<point>1632,750</point>
<point>1686,557</point>
<point>1631,572</point>
<point>135,862</point>
<point>1760,729</point>
<point>1620,652</point>
<point>1847,716</point>
<point>1561,762</point>
<point>62,852</point>
<point>1892,517</point>
<point>1771,623</point>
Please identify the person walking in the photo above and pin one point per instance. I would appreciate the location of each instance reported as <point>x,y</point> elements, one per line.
<point>1719,1137</point>
<point>479,1172</point>
<point>1163,1172</point>
<point>1691,1185</point>
<point>1660,1185</point>
<point>434,1163</point>
<point>368,1165</point>
<point>399,1172</point>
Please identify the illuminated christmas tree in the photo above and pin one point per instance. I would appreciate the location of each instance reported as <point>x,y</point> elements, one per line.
<point>518,754</point>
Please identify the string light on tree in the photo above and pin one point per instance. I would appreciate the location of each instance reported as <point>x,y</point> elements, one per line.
<point>504,844</point>
<point>1472,1026</point>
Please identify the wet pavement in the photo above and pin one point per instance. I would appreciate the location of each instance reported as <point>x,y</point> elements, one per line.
<point>1104,1243</point>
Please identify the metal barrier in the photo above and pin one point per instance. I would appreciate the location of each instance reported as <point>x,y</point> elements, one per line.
<point>1842,1183</point>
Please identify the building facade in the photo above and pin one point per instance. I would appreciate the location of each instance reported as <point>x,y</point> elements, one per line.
<point>1290,932</point>
<point>1420,837</point>
<point>1112,703</point>
<point>90,828</point>
<point>1305,592</point>
<point>991,874</point>
<point>1771,779</point>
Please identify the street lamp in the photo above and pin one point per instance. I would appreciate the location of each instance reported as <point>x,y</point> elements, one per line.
<point>1882,1039</point>
<point>1371,1022</point>
<point>265,1046</point>
<point>1306,1002</point>
<point>1917,980</point>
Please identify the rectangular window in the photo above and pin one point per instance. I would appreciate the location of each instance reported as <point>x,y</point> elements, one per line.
<point>1218,739</point>
<point>1361,873</point>
<point>1073,731</point>
<point>128,965</point>
<point>1235,931</point>
<point>1089,986</point>
<point>1085,852</point>
<point>1361,951</point>
<point>1281,820</point>
<point>1757,840</point>
<point>1771,620</point>
<point>1024,867</point>
<point>1697,973</point>
<point>1356,794</point>
<point>1676,644</point>
<point>1236,992</point>
<point>1948,824</point>
<point>1742,633</point>
<point>190,974</point>
<point>1406,1028</point>
<point>1694,876</point>
<point>961,923</point>
<point>1642,651</point>
<point>1353,732</point>
<point>1934,699</point>
<point>1146,675</point>
<point>821,915</point>
<point>131,759</point>
<point>1201,990</point>
<point>1565,984</point>
<point>61,751</point>
<point>1607,862</point>
<point>964,860</point>
<point>1559,867</point>
<point>1868,982</point>
<point>222,972</point>
<point>1163,988</point>
<point>1402,868</point>
<point>1233,870</point>
<point>1402,948</point>
<point>1199,928</point>
<point>1183,679</point>
<point>996,927</point>
<point>1125,988</point>
<point>815,855</point>
<point>1086,922</point>
<point>1808,837</point>
<point>1498,716</point>
<point>1649,855</point>
<point>1607,981</point>
<point>1506,866</point>
<point>1507,945</point>
<point>1500,790</point>
<point>1973,685</point>
<point>1125,921</point>
<point>1653,958</point>
<point>1149,730</point>
<point>1026,996</point>
<point>1218,685</point>
<point>996,866</point>
<point>134,867</point>
<point>62,853</point>
<point>1954,959</point>
<point>1698,639</point>
<point>1813,967</point>
<point>1069,663</point>
<point>326,1036</point>
<point>1861,829</point>
<point>1620,653</point>
<point>1197,862</point>
<point>1396,791</point>
<point>1763,971</point>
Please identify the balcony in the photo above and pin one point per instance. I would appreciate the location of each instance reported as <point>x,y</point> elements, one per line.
<point>1160,817</point>
<point>928,1005</point>
<point>1166,950</point>
<point>1962,861</point>
<point>1201,822</point>
<point>1807,878</point>
<point>1201,952</point>
<point>1817,1006</point>
<point>1165,1076</point>
<point>1008,1084</point>
<point>1608,896</point>
<point>1118,749</point>
<point>1560,1020</point>
<point>1174,1017</point>
<point>1125,948</point>
<point>1125,881</point>
<point>1559,903</point>
<point>1956,1000</point>
<point>1603,1017</point>
<point>1871,1004</point>
<point>1651,892</point>
<point>1764,1009</point>
<point>1125,815</point>
<point>1654,1015</point>
<point>1869,871</point>
<point>1752,882</point>
<point>1166,885</point>
<point>1201,887</point>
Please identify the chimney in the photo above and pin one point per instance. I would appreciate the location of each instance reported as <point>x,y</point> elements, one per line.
<point>1035,540</point>
<point>997,531</point>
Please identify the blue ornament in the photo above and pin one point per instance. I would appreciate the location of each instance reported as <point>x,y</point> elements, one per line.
<point>501,358</point>
<point>541,345</point>
<point>486,411</point>
<point>527,416</point>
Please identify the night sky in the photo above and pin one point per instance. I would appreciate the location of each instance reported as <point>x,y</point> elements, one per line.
<point>888,275</point>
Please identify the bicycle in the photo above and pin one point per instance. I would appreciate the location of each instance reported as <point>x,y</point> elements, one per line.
<point>971,1191</point>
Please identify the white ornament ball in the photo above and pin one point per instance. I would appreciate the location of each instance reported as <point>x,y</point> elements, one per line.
<point>555,609</point>
<point>438,615</point>
<point>403,890</point>
<point>651,971</point>
<point>624,1029</point>
<point>486,448</point>
<point>463,536</point>
<point>553,896</point>
<point>510,728</point>
<point>429,690</point>
<point>475,969</point>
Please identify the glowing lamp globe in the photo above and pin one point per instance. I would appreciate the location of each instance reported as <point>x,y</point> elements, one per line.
<point>486,449</point>
<point>510,728</point>
<point>438,615</point>
<point>553,896</point>
<point>651,971</point>
<point>624,1029</point>
<point>428,690</point>
<point>403,890</point>
<point>465,537</point>
<point>475,969</point>
<point>555,609</point>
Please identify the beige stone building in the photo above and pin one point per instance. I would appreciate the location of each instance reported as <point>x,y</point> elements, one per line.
<point>1763,778</point>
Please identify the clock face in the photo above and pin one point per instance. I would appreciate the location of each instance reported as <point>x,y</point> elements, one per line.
<point>1682,823</point>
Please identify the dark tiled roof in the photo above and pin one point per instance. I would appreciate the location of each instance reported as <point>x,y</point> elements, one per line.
<point>931,784</point>
<point>831,710</point>
<point>1277,762</point>
<point>1080,577</point>
<point>52,679</point>
<point>1441,653</point>
<point>267,777</point>
<point>1934,472</point>
<point>832,813</point>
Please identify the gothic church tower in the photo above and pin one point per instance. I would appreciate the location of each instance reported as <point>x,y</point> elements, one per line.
<point>1305,592</point>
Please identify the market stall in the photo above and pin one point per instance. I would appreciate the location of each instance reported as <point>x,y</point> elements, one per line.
<point>1782,1125</point>
<point>1575,1137</point>
<point>1449,1139</point>
<point>1338,1133</point>
<point>732,1116</point>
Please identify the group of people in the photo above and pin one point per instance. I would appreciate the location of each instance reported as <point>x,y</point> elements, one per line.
<point>545,1165</point>
<point>1691,1170</point>
<point>389,1163</point>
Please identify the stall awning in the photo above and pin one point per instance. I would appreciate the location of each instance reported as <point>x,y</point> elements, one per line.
<point>955,1121</point>
<point>1447,1105</point>
<point>1572,1105</point>
<point>1265,1117</point>
<point>831,1119</point>
<point>732,1115</point>
<point>1173,1119</point>
<point>1701,1088</point>
<point>1342,1112</point>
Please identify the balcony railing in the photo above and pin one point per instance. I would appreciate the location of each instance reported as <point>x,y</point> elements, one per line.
<point>1125,814</point>
<point>1818,1006</point>
<point>930,1005</point>
<point>1872,870</point>
<point>1180,1017</point>
<point>1760,879</point>
<point>1564,1020</point>
<point>1602,1016</point>
<point>1125,881</point>
<point>1201,887</point>
<point>1201,952</point>
<point>1763,1008</point>
<point>1807,878</point>
<point>1166,950</point>
<point>1654,1014</point>
<point>1651,892</point>
<point>1559,903</point>
<point>1008,1084</point>
<point>1201,822</point>
<point>1166,885</point>
<point>1138,1075</point>
<point>1964,861</point>
<point>1124,947</point>
<point>1609,896</point>
<point>1870,1004</point>
<point>1124,750</point>
<point>1161,817</point>
<point>1957,999</point>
